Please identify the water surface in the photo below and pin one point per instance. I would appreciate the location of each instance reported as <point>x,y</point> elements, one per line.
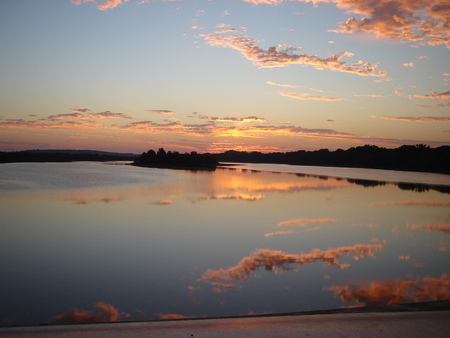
<point>92,242</point>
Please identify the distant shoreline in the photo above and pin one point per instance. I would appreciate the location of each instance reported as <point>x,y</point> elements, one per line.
<point>413,158</point>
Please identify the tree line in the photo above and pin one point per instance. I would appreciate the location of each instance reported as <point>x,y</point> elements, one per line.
<point>419,157</point>
<point>173,159</point>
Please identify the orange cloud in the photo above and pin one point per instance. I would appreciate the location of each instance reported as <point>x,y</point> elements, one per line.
<point>108,114</point>
<point>270,234</point>
<point>305,96</point>
<point>228,119</point>
<point>162,111</point>
<point>434,95</point>
<point>396,291</point>
<point>410,64</point>
<point>108,313</point>
<point>422,21</point>
<point>110,4</point>
<point>302,222</point>
<point>414,119</point>
<point>271,260</point>
<point>279,56</point>
<point>369,95</point>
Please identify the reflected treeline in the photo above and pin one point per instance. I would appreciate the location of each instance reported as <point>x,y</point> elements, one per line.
<point>163,159</point>
<point>419,157</point>
<point>396,291</point>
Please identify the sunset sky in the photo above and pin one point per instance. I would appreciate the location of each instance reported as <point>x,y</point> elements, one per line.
<point>209,76</point>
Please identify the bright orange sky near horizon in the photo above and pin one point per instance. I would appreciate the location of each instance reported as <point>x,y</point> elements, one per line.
<point>210,76</point>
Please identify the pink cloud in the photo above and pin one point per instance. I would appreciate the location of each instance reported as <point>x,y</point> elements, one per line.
<point>280,85</point>
<point>110,4</point>
<point>279,56</point>
<point>270,234</point>
<point>305,96</point>
<point>414,119</point>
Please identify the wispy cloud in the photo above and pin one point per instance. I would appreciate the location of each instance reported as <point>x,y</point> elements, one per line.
<point>228,119</point>
<point>306,96</point>
<point>414,118</point>
<point>281,85</point>
<point>110,115</point>
<point>282,56</point>
<point>369,95</point>
<point>409,64</point>
<point>270,234</point>
<point>162,111</point>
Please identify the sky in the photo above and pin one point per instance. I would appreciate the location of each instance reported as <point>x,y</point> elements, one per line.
<point>211,76</point>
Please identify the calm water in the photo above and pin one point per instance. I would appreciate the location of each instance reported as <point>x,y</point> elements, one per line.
<point>84,242</point>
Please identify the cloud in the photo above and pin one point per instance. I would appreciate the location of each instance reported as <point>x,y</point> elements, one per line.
<point>419,21</point>
<point>396,291</point>
<point>270,234</point>
<point>272,260</point>
<point>280,85</point>
<point>228,119</point>
<point>110,4</point>
<point>414,119</point>
<point>106,313</point>
<point>162,111</point>
<point>410,64</point>
<point>302,222</point>
<point>305,96</point>
<point>435,95</point>
<point>282,56</point>
<point>108,114</point>
<point>369,95</point>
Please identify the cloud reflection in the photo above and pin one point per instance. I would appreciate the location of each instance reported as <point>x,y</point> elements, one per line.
<point>442,227</point>
<point>396,291</point>
<point>302,222</point>
<point>106,313</point>
<point>275,260</point>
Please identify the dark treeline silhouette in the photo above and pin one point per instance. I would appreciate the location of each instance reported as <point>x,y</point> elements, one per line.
<point>163,159</point>
<point>418,157</point>
<point>63,156</point>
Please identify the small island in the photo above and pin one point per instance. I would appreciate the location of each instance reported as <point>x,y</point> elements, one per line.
<point>175,160</point>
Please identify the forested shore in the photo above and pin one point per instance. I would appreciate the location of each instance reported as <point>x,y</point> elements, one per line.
<point>420,157</point>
